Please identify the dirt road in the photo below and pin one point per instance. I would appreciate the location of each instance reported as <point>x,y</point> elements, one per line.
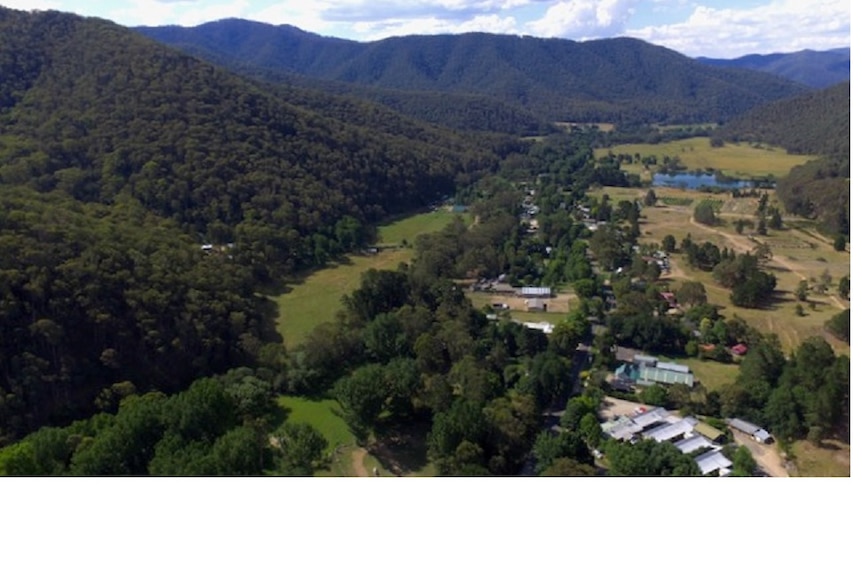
<point>766,456</point>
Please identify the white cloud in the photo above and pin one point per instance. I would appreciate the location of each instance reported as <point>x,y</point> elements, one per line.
<point>184,13</point>
<point>780,26</point>
<point>31,4</point>
<point>490,23</point>
<point>580,19</point>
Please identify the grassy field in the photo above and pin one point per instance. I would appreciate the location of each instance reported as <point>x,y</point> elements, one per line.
<point>322,415</point>
<point>736,160</point>
<point>316,298</point>
<point>830,460</point>
<point>798,253</point>
<point>712,374</point>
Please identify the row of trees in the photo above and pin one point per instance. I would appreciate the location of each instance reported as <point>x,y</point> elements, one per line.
<point>226,425</point>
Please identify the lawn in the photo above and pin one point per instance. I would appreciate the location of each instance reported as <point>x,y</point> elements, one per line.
<point>712,374</point>
<point>317,297</point>
<point>408,229</point>
<point>736,160</point>
<point>409,456</point>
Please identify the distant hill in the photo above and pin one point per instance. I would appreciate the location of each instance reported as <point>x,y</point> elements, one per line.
<point>818,69</point>
<point>558,80</point>
<point>813,123</point>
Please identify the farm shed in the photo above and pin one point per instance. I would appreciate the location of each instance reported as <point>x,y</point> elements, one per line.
<point>672,431</point>
<point>712,461</point>
<point>757,433</point>
<point>693,443</point>
<point>534,291</point>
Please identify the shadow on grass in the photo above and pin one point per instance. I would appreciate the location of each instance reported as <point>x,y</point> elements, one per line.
<point>402,450</point>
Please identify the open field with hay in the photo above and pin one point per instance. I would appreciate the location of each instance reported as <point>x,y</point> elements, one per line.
<point>745,160</point>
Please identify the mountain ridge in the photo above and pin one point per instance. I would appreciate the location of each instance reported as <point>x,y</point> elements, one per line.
<point>556,79</point>
<point>815,68</point>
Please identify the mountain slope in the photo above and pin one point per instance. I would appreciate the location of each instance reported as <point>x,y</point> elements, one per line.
<point>818,69</point>
<point>98,111</point>
<point>557,79</point>
<point>814,123</point>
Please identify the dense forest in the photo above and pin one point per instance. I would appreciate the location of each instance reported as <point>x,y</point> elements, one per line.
<point>121,159</point>
<point>94,110</point>
<point>558,80</point>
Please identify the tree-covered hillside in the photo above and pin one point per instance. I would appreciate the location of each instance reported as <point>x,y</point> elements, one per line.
<point>119,158</point>
<point>95,110</point>
<point>602,80</point>
<point>813,123</point>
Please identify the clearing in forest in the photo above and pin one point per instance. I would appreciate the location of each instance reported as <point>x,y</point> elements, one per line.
<point>315,298</point>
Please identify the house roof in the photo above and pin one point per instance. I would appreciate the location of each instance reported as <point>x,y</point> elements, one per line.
<point>649,417</point>
<point>709,462</point>
<point>743,426</point>
<point>650,375</point>
<point>671,430</point>
<point>708,431</point>
<point>693,443</point>
<point>535,291</point>
<point>673,366</point>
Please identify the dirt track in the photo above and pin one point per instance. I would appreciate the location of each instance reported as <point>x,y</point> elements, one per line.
<point>766,456</point>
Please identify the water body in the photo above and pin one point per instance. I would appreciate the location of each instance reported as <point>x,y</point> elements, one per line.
<point>687,180</point>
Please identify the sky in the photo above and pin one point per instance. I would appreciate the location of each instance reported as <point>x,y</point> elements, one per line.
<point>714,28</point>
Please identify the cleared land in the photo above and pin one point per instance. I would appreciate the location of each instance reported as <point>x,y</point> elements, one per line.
<point>316,298</point>
<point>798,254</point>
<point>736,160</point>
<point>830,460</point>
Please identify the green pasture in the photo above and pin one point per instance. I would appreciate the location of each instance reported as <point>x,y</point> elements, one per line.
<point>736,160</point>
<point>316,298</point>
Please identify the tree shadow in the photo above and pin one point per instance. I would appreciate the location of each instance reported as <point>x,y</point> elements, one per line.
<point>402,449</point>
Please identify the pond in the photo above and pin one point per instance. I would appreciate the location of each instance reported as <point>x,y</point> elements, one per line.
<point>694,181</point>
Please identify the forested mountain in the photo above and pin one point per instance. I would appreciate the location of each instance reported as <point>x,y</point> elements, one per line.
<point>119,157</point>
<point>813,123</point>
<point>96,110</point>
<point>818,69</point>
<point>601,80</point>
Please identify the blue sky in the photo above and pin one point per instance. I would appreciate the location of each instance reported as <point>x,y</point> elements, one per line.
<point>716,28</point>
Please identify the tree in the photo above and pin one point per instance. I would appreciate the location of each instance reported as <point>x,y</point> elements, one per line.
<point>744,464</point>
<point>704,213</point>
<point>840,243</point>
<point>362,395</point>
<point>844,287</point>
<point>775,220</point>
<point>801,292</point>
<point>668,243</point>
<point>839,325</point>
<point>650,198</point>
<point>691,294</point>
<point>300,449</point>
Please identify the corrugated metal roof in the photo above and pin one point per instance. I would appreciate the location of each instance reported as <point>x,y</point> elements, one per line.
<point>673,367</point>
<point>536,290</point>
<point>656,375</point>
<point>709,462</point>
<point>693,443</point>
<point>670,431</point>
<point>743,426</point>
